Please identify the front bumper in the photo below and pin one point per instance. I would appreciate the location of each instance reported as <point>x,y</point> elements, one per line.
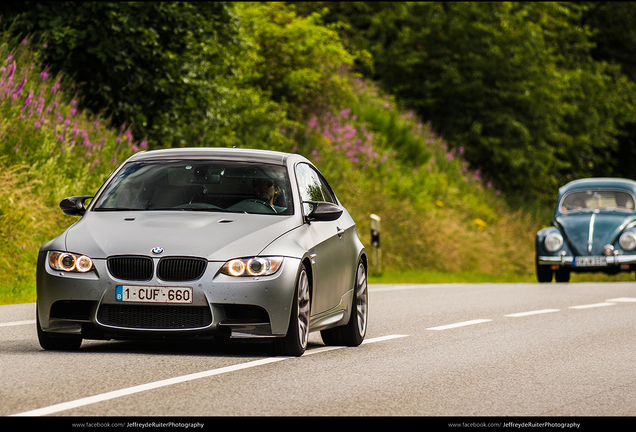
<point>616,261</point>
<point>86,305</point>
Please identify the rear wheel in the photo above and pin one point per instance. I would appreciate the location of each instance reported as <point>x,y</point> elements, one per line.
<point>61,343</point>
<point>295,342</point>
<point>353,333</point>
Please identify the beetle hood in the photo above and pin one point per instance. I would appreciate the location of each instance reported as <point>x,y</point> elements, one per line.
<point>214,236</point>
<point>605,228</point>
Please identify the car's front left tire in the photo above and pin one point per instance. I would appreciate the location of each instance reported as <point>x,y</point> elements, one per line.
<point>352,333</point>
<point>562,275</point>
<point>295,342</point>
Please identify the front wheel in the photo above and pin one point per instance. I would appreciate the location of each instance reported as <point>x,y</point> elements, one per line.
<point>48,342</point>
<point>562,275</point>
<point>295,342</point>
<point>353,333</point>
<point>544,273</point>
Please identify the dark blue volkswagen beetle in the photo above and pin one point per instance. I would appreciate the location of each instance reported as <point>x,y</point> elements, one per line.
<point>593,230</point>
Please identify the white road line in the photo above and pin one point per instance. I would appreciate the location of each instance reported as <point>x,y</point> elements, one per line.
<point>592,305</point>
<point>622,299</point>
<point>460,324</point>
<point>64,406</point>
<point>536,312</point>
<point>15,323</point>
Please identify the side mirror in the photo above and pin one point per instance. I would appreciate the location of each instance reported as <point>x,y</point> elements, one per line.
<point>74,206</point>
<point>323,211</point>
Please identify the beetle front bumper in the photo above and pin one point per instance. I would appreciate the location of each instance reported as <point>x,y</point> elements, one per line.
<point>616,262</point>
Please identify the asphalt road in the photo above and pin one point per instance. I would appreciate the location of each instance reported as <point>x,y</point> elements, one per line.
<point>431,350</point>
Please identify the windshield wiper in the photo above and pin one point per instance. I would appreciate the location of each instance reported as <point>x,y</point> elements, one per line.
<point>201,208</point>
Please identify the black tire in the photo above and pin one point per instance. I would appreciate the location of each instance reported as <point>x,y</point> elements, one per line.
<point>60,343</point>
<point>352,333</point>
<point>544,273</point>
<point>295,341</point>
<point>562,275</point>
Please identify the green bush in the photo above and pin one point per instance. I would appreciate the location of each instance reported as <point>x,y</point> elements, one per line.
<point>48,150</point>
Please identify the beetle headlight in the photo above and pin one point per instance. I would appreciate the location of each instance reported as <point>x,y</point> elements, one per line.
<point>70,262</point>
<point>258,266</point>
<point>553,242</point>
<point>627,241</point>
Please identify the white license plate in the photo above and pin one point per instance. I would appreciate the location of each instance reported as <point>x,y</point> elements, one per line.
<point>592,261</point>
<point>153,294</point>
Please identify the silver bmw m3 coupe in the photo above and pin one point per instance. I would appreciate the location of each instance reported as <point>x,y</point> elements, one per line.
<point>206,243</point>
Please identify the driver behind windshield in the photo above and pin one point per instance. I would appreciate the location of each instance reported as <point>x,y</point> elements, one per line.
<point>267,190</point>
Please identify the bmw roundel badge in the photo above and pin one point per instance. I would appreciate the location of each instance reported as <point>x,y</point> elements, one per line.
<point>157,250</point>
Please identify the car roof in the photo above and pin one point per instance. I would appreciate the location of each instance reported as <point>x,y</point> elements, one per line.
<point>599,183</point>
<point>221,153</point>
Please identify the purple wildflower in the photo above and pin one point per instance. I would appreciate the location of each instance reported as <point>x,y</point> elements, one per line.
<point>40,105</point>
<point>20,87</point>
<point>28,100</point>
<point>11,71</point>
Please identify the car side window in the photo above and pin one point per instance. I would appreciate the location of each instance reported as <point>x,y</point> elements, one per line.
<point>326,191</point>
<point>312,187</point>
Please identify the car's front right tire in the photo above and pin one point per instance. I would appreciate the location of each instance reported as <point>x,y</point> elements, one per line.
<point>52,343</point>
<point>544,273</point>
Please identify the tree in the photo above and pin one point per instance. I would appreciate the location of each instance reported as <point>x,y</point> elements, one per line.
<point>174,69</point>
<point>615,41</point>
<point>513,83</point>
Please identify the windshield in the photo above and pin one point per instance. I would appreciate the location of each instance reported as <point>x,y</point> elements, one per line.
<point>199,185</point>
<point>597,200</point>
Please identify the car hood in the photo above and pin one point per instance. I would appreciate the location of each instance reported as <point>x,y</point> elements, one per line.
<point>606,227</point>
<point>215,236</point>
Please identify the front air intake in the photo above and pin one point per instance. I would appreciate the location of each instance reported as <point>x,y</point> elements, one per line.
<point>154,317</point>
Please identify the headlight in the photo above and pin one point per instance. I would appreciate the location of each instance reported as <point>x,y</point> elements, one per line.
<point>70,262</point>
<point>627,241</point>
<point>259,266</point>
<point>553,242</point>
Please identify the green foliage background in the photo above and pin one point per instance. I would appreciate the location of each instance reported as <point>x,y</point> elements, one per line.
<point>531,90</point>
<point>455,122</point>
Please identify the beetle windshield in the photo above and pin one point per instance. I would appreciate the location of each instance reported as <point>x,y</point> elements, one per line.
<point>199,185</point>
<point>597,200</point>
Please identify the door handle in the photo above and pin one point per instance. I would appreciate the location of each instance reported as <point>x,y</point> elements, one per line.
<point>340,232</point>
